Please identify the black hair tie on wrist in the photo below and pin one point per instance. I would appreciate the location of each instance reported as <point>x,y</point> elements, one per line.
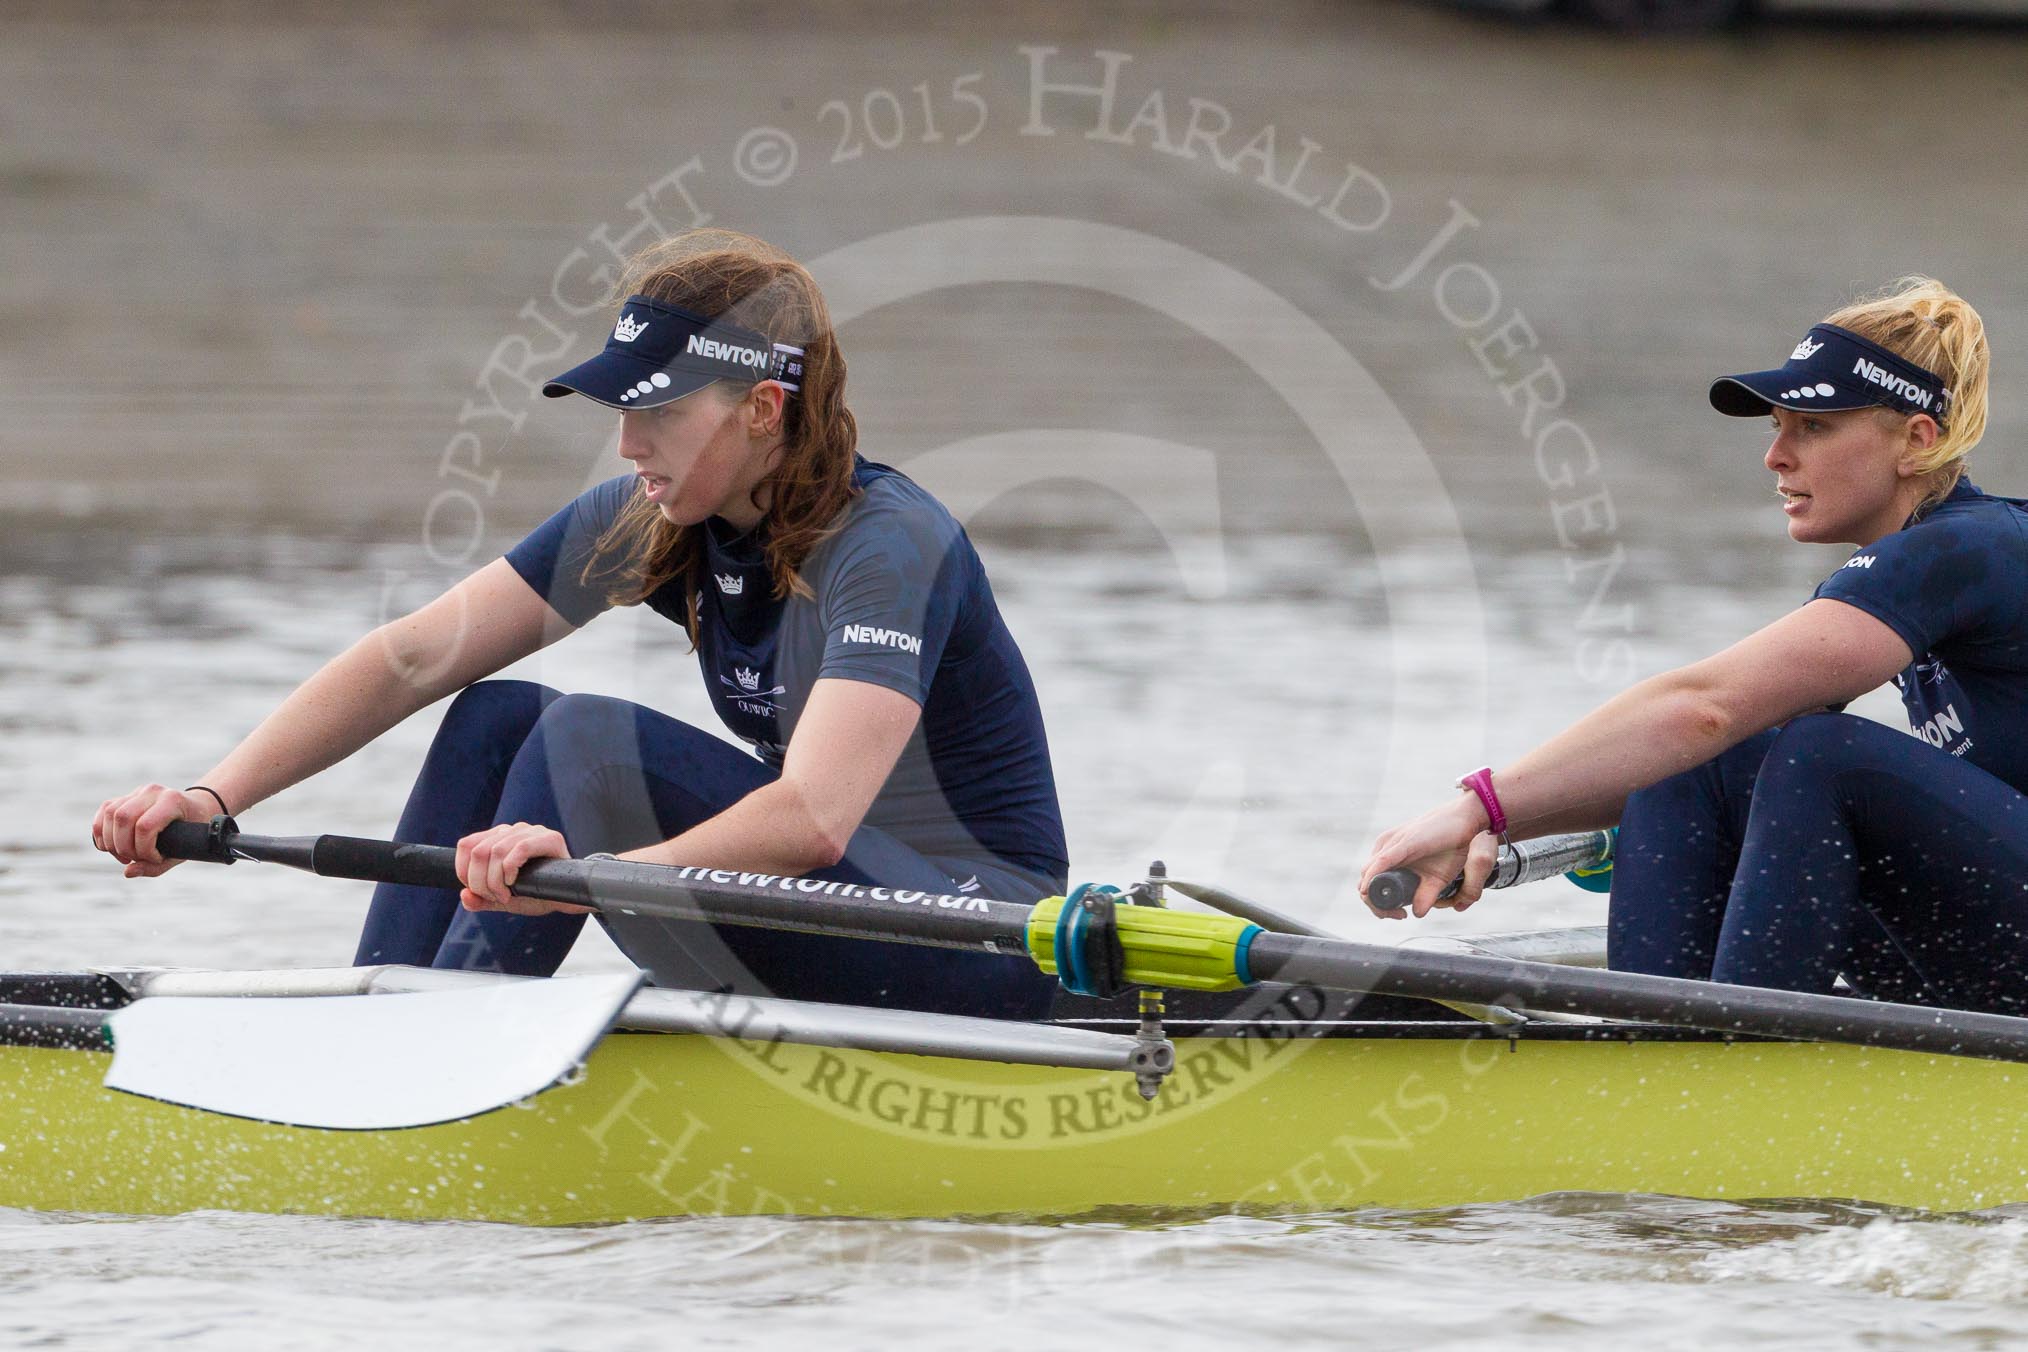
<point>205,788</point>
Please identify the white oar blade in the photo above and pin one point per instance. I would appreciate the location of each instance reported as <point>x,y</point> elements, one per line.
<point>364,1062</point>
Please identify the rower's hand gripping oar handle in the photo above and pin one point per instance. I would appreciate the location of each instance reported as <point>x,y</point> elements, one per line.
<point>1527,862</point>
<point>206,841</point>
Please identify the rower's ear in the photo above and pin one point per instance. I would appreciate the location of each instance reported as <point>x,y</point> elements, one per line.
<point>763,411</point>
<point>1919,434</point>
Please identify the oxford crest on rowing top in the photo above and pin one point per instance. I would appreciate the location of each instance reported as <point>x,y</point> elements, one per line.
<point>627,330</point>
<point>744,690</point>
<point>732,584</point>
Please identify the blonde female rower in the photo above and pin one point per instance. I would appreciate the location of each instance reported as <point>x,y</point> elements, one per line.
<point>1764,840</point>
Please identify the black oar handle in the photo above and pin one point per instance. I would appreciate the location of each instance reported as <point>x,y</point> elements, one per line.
<point>385,861</point>
<point>1529,861</point>
<point>1395,889</point>
<point>374,861</point>
<point>197,840</point>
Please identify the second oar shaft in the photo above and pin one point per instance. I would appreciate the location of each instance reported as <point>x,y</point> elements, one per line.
<point>1646,999</point>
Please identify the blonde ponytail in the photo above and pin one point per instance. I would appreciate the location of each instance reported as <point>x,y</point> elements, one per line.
<point>1921,320</point>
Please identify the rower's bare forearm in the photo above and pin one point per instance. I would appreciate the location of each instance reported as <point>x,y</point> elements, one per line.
<point>484,623</point>
<point>1824,654</point>
<point>1579,779</point>
<point>351,700</point>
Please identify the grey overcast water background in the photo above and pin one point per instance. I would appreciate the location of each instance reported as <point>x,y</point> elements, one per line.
<point>1288,544</point>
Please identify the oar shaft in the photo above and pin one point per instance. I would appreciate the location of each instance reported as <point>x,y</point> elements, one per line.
<point>809,905</point>
<point>1528,861</point>
<point>718,896</point>
<point>51,1026</point>
<point>1162,948</point>
<point>1707,1005</point>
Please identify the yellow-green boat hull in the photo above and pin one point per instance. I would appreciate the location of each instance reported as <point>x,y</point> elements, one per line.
<point>675,1125</point>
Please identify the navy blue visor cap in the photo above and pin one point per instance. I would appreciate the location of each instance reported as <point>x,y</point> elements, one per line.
<point>1830,370</point>
<point>657,354</point>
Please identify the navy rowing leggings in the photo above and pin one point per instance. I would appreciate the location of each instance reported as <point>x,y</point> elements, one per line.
<point>1831,846</point>
<point>614,776</point>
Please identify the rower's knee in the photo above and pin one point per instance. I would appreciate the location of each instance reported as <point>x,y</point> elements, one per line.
<point>1669,798</point>
<point>486,711</point>
<point>1691,795</point>
<point>600,730</point>
<point>589,731</point>
<point>1817,745</point>
<point>613,775</point>
<point>581,712</point>
<point>1687,826</point>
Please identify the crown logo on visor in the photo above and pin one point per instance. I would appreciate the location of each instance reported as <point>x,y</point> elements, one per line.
<point>1805,350</point>
<point>627,330</point>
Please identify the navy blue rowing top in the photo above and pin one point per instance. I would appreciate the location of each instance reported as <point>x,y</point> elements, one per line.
<point>1954,586</point>
<point>899,599</point>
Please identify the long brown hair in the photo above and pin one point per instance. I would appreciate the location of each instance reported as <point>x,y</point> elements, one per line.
<point>724,274</point>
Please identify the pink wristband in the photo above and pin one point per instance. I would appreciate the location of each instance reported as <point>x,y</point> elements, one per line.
<point>1480,781</point>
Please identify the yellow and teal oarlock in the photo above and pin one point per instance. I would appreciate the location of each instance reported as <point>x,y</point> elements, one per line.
<point>1174,950</point>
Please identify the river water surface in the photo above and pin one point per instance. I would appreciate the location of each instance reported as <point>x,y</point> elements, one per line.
<point>1283,542</point>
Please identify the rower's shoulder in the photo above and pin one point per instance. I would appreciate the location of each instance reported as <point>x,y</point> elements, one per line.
<point>1969,542</point>
<point>1976,517</point>
<point>600,505</point>
<point>577,524</point>
<point>888,487</point>
<point>889,500</point>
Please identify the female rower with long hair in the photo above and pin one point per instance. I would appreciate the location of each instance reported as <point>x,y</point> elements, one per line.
<point>1764,840</point>
<point>844,627</point>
